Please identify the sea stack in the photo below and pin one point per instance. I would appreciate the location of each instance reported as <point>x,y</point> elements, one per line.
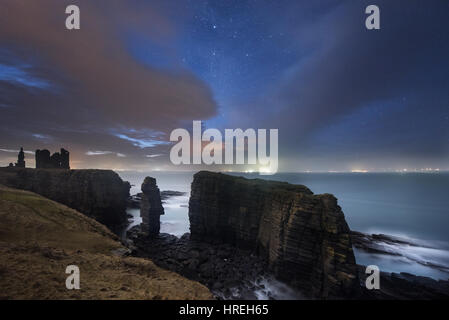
<point>151,207</point>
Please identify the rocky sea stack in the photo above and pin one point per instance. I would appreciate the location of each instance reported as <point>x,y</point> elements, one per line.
<point>304,237</point>
<point>151,207</point>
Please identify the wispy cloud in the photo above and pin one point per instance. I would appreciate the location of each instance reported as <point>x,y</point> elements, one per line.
<point>102,153</point>
<point>16,151</point>
<point>20,75</point>
<point>153,155</point>
<point>143,143</point>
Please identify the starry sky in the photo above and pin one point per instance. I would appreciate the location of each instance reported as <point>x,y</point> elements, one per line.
<point>343,97</point>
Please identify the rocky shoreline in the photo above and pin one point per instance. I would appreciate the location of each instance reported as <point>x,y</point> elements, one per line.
<point>404,286</point>
<point>390,245</point>
<point>228,272</point>
<point>248,237</point>
<point>231,272</point>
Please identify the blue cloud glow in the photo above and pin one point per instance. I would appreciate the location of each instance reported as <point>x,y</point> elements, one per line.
<point>142,143</point>
<point>20,75</point>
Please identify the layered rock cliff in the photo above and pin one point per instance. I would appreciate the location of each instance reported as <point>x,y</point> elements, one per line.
<point>151,207</point>
<point>99,194</point>
<point>303,236</point>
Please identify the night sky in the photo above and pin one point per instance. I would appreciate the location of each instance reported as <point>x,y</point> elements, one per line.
<point>343,97</point>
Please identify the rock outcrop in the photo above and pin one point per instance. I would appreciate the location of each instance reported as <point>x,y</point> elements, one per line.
<point>405,286</point>
<point>230,273</point>
<point>304,237</point>
<point>99,194</point>
<point>151,207</point>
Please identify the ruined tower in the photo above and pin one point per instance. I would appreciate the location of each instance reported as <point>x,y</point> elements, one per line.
<point>65,162</point>
<point>21,159</point>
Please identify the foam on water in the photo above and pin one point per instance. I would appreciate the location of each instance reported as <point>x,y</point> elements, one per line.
<point>419,257</point>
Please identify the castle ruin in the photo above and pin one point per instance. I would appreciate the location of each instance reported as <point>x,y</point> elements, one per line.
<point>58,160</point>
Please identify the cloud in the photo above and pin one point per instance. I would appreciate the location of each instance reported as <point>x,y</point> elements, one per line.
<point>64,84</point>
<point>16,151</point>
<point>98,153</point>
<point>102,153</point>
<point>142,143</point>
<point>352,67</point>
<point>399,73</point>
<point>95,60</point>
<point>153,155</point>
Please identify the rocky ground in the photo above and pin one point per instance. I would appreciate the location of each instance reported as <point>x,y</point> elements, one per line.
<point>39,238</point>
<point>228,272</point>
<point>405,286</point>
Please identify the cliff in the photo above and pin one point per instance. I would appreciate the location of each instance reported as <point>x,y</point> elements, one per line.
<point>39,238</point>
<point>303,236</point>
<point>100,194</point>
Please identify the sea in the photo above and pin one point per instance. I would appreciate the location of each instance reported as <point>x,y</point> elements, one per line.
<point>410,206</point>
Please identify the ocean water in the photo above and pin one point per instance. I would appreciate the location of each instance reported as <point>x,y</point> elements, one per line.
<point>175,220</point>
<point>413,206</point>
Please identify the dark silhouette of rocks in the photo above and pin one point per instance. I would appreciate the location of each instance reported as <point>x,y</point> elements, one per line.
<point>58,160</point>
<point>151,207</point>
<point>21,159</point>
<point>135,200</point>
<point>99,194</point>
<point>166,194</point>
<point>405,286</point>
<point>229,272</point>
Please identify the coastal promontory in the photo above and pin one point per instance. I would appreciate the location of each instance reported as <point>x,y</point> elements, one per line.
<point>99,194</point>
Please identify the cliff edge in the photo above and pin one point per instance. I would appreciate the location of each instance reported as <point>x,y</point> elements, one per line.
<point>304,237</point>
<point>100,194</point>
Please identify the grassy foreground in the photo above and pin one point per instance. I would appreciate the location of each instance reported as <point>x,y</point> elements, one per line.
<point>39,238</point>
